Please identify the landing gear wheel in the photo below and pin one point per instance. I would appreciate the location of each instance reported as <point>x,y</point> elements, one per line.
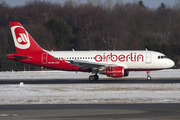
<point>96,77</point>
<point>148,77</point>
<point>93,77</point>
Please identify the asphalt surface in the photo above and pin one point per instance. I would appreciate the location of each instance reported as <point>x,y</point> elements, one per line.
<point>85,81</point>
<point>91,112</point>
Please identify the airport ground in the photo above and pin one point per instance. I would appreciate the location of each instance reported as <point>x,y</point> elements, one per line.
<point>93,111</point>
<point>86,81</point>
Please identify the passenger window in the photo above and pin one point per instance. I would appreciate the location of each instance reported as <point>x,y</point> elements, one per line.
<point>159,57</point>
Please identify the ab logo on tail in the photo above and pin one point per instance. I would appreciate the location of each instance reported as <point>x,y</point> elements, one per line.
<point>21,37</point>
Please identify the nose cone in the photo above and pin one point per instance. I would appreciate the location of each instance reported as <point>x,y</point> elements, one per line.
<point>170,63</point>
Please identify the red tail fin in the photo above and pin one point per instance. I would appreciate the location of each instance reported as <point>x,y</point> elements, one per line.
<point>22,40</point>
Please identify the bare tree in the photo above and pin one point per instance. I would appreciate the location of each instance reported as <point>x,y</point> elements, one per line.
<point>108,4</point>
<point>177,5</point>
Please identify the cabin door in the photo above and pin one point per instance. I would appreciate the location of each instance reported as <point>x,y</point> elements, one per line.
<point>148,58</point>
<point>44,58</point>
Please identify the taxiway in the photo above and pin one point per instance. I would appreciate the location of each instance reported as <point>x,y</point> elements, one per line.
<point>91,112</point>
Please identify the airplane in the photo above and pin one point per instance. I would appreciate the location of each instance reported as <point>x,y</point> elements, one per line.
<point>114,64</point>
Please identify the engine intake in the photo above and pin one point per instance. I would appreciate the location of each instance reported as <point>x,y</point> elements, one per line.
<point>114,72</point>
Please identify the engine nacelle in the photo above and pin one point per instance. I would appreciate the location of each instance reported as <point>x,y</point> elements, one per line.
<point>114,72</point>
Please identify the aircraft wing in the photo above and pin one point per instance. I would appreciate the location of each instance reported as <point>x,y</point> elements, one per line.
<point>87,64</point>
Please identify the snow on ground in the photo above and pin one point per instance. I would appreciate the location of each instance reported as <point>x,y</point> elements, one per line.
<point>88,93</point>
<point>168,74</point>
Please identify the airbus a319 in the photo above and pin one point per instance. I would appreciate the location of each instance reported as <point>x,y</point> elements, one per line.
<point>111,63</point>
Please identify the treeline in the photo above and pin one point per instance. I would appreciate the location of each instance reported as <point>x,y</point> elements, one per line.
<point>92,26</point>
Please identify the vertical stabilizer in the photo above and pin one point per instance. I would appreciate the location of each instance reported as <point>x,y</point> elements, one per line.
<point>22,40</point>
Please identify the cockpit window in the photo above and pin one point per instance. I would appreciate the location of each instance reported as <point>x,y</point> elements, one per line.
<point>161,57</point>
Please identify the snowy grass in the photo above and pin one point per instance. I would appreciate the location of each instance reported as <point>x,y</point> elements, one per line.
<point>88,93</point>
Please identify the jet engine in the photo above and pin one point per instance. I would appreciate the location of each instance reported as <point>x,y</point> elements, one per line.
<point>114,71</point>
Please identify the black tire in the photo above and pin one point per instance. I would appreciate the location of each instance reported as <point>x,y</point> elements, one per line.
<point>91,77</point>
<point>96,77</point>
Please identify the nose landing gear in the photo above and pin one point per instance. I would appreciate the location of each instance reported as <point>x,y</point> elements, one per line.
<point>148,75</point>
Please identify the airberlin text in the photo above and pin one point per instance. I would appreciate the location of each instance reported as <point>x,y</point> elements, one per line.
<point>122,58</point>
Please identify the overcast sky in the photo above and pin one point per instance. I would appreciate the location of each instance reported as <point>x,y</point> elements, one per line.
<point>149,3</point>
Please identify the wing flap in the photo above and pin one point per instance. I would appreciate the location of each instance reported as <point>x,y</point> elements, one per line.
<point>87,64</point>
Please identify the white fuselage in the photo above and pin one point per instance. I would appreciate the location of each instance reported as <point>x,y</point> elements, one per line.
<point>132,60</point>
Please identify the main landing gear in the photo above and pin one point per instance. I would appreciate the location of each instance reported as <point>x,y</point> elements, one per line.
<point>148,75</point>
<point>93,77</point>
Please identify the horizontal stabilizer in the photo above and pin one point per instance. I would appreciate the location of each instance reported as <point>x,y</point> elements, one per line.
<point>17,56</point>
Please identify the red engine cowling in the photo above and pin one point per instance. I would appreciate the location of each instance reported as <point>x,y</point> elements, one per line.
<point>114,72</point>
